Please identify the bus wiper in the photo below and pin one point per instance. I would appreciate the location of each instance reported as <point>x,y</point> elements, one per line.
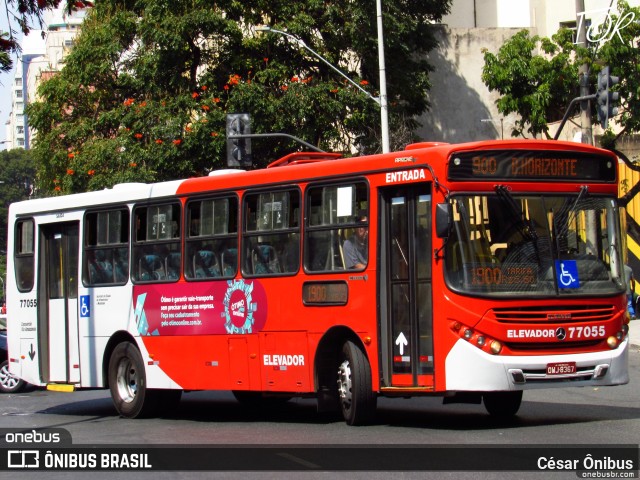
<point>526,230</point>
<point>584,190</point>
<point>568,215</point>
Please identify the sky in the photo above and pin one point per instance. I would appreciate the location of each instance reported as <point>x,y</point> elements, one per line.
<point>6,79</point>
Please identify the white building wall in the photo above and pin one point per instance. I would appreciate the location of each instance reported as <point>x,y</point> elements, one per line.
<point>548,15</point>
<point>544,15</point>
<point>488,14</point>
<point>462,108</point>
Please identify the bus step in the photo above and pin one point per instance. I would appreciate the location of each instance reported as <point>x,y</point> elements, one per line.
<point>60,387</point>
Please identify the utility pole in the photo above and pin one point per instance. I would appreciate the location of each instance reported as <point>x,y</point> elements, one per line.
<point>583,76</point>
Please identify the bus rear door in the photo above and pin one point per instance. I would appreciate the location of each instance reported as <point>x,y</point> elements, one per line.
<point>58,303</point>
<point>406,297</point>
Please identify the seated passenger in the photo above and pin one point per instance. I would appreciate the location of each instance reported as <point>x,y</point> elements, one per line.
<point>355,247</point>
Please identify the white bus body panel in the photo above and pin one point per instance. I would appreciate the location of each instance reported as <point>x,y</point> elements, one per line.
<point>110,308</point>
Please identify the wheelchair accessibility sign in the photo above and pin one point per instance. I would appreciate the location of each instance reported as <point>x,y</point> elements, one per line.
<point>85,306</point>
<point>567,274</point>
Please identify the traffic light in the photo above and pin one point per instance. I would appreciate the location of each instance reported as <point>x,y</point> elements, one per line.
<point>238,148</point>
<point>606,99</point>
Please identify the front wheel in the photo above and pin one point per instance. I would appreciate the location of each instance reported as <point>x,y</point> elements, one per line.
<point>357,399</point>
<point>9,383</point>
<point>502,404</point>
<point>128,382</point>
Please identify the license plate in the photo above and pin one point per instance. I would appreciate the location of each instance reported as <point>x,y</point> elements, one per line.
<point>564,368</point>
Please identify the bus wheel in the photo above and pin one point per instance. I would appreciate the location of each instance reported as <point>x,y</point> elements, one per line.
<point>502,404</point>
<point>9,383</point>
<point>357,400</point>
<point>127,382</point>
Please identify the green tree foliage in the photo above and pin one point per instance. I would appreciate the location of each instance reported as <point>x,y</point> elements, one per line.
<point>144,93</point>
<point>538,77</point>
<point>17,173</point>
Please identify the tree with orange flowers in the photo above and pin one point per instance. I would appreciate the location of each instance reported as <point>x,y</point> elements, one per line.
<point>145,91</point>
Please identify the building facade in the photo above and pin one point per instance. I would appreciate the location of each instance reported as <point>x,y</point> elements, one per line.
<point>43,53</point>
<point>463,109</point>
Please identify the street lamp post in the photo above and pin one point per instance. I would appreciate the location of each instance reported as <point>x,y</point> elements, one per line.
<point>384,111</point>
<point>382,101</point>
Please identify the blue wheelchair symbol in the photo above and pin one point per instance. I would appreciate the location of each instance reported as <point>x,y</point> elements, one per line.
<point>567,274</point>
<point>85,306</point>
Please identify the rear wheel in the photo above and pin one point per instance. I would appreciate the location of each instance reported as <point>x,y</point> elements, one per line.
<point>128,383</point>
<point>8,382</point>
<point>502,404</point>
<point>357,400</point>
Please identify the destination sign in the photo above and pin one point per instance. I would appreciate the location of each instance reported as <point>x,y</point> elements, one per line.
<point>325,293</point>
<point>531,165</point>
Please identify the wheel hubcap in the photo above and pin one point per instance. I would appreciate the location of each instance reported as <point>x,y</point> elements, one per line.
<point>344,384</point>
<point>8,380</point>
<point>127,380</point>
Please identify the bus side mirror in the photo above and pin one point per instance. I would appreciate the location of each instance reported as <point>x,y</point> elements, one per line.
<point>444,217</point>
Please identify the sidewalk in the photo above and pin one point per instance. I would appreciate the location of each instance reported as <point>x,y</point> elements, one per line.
<point>634,333</point>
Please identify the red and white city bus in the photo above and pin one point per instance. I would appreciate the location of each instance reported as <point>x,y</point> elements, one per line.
<point>489,268</point>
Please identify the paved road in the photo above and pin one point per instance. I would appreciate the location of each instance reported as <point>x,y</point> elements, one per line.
<point>567,416</point>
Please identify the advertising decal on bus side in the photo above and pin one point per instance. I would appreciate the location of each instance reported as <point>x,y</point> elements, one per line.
<point>231,307</point>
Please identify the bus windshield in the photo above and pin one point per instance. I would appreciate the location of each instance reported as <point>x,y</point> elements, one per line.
<point>504,244</point>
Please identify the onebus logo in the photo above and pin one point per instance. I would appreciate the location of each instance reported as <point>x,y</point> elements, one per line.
<point>32,437</point>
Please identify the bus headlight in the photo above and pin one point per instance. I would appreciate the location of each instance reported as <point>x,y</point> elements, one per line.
<point>496,347</point>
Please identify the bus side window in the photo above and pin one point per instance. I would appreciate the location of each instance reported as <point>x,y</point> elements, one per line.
<point>24,256</point>
<point>272,233</point>
<point>157,247</point>
<point>212,238</point>
<point>106,247</point>
<point>333,212</point>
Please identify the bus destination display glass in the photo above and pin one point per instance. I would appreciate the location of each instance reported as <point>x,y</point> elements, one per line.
<point>531,165</point>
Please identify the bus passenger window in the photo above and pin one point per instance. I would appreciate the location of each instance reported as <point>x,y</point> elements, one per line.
<point>336,213</point>
<point>106,247</point>
<point>272,233</point>
<point>212,243</point>
<point>24,256</point>
<point>157,250</point>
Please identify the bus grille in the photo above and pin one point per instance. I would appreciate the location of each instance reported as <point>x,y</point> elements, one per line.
<point>550,315</point>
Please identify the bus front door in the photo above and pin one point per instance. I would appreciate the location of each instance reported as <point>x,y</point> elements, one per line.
<point>58,303</point>
<point>406,297</point>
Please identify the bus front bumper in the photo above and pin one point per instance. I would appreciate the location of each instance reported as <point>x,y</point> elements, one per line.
<point>470,369</point>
